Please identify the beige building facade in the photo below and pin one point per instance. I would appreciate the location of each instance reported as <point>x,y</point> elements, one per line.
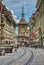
<point>38,27</point>
<point>40,9</point>
<point>7,26</point>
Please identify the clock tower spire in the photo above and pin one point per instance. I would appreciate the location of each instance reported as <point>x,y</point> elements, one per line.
<point>22,11</point>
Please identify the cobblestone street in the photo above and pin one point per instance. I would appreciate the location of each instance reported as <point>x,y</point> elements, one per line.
<point>24,56</point>
<point>38,57</point>
<point>18,58</point>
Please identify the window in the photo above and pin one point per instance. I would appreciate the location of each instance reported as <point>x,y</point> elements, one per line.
<point>22,39</point>
<point>9,42</point>
<point>0,31</point>
<point>6,42</point>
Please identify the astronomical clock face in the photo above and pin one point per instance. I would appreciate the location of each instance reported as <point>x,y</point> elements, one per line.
<point>22,30</point>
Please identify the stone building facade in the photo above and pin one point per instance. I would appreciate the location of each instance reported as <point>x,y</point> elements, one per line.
<point>40,9</point>
<point>31,29</point>
<point>38,27</point>
<point>7,26</point>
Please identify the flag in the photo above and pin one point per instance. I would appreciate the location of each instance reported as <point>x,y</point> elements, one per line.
<point>33,35</point>
<point>1,8</point>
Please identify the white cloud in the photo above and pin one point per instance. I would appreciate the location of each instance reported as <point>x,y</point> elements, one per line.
<point>16,20</point>
<point>14,16</point>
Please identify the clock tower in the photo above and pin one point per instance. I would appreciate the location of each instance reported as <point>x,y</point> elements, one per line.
<point>22,28</point>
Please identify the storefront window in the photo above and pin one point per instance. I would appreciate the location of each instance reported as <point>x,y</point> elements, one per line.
<point>6,42</point>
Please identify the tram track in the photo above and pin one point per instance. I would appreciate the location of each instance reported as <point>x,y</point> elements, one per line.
<point>11,61</point>
<point>30,60</point>
<point>27,62</point>
<point>23,56</point>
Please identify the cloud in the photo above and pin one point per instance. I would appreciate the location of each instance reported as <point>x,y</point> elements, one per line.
<point>16,20</point>
<point>14,16</point>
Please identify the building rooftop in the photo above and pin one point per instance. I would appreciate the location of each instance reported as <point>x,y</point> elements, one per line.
<point>22,21</point>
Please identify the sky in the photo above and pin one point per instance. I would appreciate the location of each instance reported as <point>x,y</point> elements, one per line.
<point>15,6</point>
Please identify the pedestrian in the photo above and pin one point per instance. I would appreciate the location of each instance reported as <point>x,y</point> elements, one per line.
<point>35,47</point>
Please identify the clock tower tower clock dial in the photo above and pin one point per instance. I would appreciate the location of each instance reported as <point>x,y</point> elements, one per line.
<point>23,30</point>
